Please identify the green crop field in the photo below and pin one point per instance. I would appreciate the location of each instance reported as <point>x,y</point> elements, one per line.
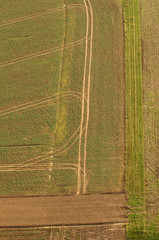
<point>105,158</point>
<point>40,94</point>
<point>62,112</point>
<point>79,106</point>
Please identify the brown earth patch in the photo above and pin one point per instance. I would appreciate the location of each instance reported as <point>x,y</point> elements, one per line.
<point>63,210</point>
<point>84,232</point>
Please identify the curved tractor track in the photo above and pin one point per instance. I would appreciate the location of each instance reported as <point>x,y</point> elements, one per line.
<point>38,102</point>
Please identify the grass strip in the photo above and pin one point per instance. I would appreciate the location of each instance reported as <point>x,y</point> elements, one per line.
<point>134,120</point>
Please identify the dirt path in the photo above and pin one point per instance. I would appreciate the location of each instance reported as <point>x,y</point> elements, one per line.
<point>62,210</point>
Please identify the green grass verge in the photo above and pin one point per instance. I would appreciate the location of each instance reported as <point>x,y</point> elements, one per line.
<point>134,120</point>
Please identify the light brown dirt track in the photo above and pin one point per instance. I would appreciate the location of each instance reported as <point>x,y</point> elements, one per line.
<point>62,210</point>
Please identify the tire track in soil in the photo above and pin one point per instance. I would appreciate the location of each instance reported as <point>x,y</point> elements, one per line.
<point>83,101</point>
<point>88,97</point>
<point>41,53</point>
<point>85,181</point>
<point>36,103</point>
<point>39,158</point>
<point>42,166</point>
<point>39,14</point>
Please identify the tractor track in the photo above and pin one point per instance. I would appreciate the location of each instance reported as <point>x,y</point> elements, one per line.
<point>37,102</point>
<point>39,14</point>
<point>41,53</point>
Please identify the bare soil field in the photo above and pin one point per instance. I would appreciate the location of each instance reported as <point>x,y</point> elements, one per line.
<point>83,232</point>
<point>63,210</point>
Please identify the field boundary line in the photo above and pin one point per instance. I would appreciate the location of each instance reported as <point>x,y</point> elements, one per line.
<point>118,224</point>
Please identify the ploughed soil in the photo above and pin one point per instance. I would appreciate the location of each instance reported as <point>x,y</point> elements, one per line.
<point>83,232</point>
<point>63,210</point>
